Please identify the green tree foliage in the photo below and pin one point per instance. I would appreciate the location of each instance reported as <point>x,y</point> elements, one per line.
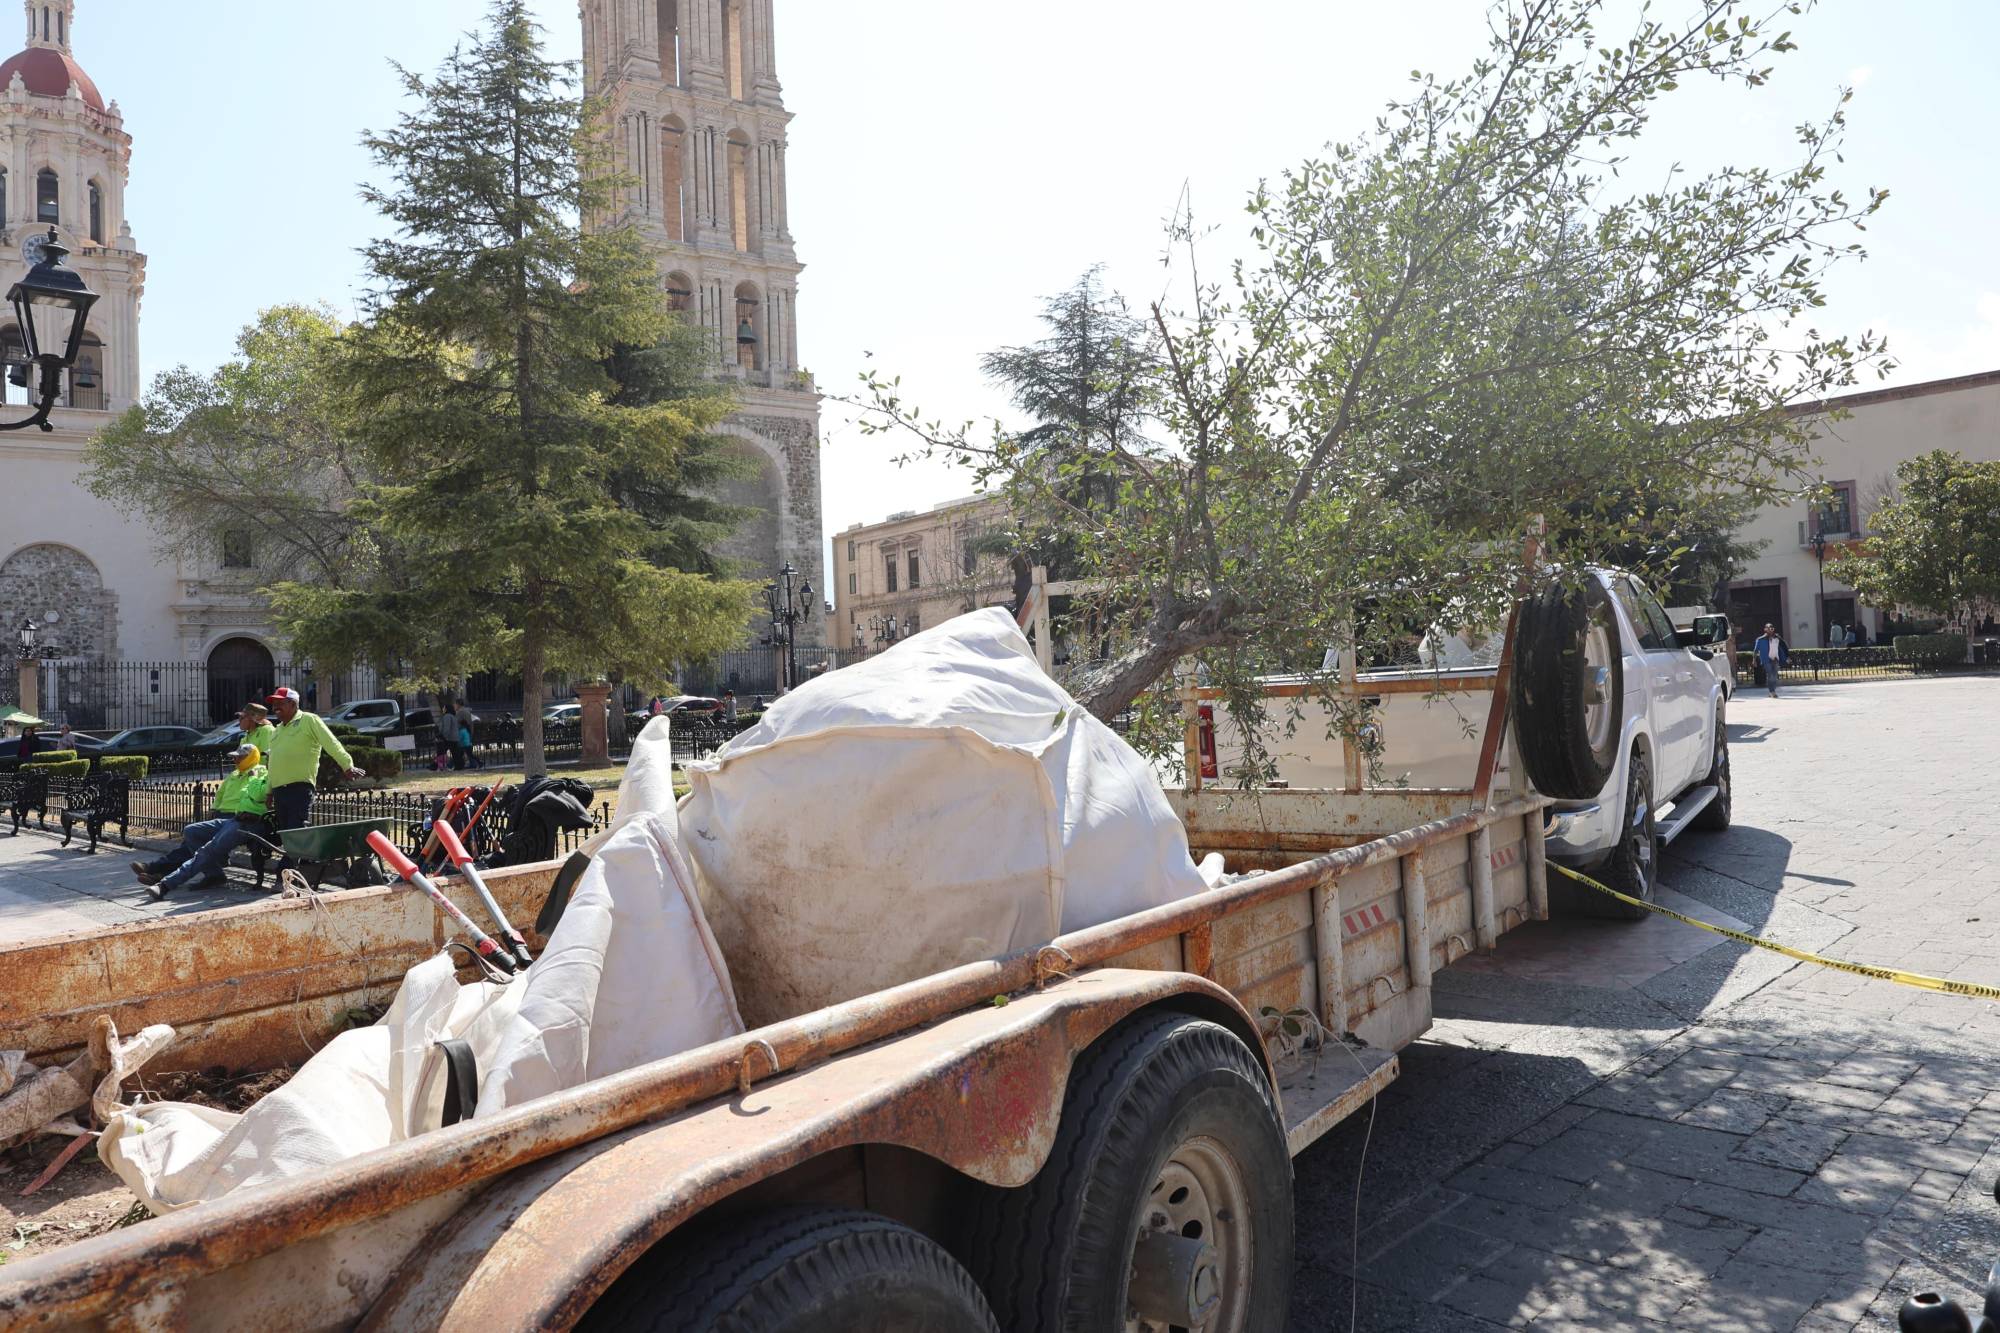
<point>1459,321</point>
<point>1935,546</point>
<point>260,447</point>
<point>525,488</point>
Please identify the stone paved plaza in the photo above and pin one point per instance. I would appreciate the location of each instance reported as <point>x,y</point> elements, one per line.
<point>1641,1127</point>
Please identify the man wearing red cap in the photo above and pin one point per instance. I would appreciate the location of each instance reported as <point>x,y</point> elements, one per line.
<point>298,739</point>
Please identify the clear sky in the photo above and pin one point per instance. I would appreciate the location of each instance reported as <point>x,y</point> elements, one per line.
<point>953,163</point>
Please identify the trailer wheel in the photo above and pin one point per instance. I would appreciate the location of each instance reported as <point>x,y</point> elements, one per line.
<point>1634,866</point>
<point>1166,1202</point>
<point>1568,690</point>
<point>795,1270</point>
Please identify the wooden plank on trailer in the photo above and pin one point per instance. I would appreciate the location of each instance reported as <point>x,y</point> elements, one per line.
<point>1240,933</point>
<point>1482,888</point>
<point>1245,972</point>
<point>1198,949</point>
<point>1320,1089</point>
<point>1416,920</point>
<point>1160,956</point>
<point>1330,955</point>
<point>1538,868</point>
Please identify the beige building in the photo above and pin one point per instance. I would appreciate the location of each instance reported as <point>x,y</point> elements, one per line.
<point>1857,459</point>
<point>699,123</point>
<point>914,570</point>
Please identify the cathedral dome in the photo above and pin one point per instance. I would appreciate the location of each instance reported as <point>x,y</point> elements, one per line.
<point>49,72</point>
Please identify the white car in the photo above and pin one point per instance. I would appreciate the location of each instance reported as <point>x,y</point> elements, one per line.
<point>1617,715</point>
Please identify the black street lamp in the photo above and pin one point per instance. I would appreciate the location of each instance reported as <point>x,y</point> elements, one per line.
<point>789,609</point>
<point>51,305</point>
<point>1819,554</point>
<point>885,630</point>
<point>29,632</point>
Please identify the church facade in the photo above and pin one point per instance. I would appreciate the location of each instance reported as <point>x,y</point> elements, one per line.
<point>86,573</point>
<point>698,122</point>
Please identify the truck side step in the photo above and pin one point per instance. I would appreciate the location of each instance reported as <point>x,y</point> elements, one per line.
<point>1683,811</point>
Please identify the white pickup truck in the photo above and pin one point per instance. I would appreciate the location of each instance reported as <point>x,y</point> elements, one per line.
<point>1616,715</point>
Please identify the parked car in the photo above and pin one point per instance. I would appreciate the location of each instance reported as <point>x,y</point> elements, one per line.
<point>45,741</point>
<point>569,712</point>
<point>374,717</point>
<point>220,740</point>
<point>139,740</point>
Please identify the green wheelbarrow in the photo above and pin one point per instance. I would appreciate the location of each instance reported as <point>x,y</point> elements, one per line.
<point>333,851</point>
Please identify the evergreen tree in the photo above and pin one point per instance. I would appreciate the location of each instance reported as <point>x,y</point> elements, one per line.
<point>512,461</point>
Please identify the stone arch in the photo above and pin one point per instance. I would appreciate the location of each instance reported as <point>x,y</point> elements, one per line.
<point>680,292</point>
<point>240,668</point>
<point>760,488</point>
<point>61,589</point>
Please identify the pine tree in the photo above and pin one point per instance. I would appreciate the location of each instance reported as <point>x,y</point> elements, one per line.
<point>513,462</point>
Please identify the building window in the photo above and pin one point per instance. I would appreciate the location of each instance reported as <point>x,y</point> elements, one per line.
<point>86,378</point>
<point>3,196</point>
<point>913,569</point>
<point>1835,515</point>
<point>48,197</point>
<point>971,561</point>
<point>236,547</point>
<point>911,626</point>
<point>853,580</point>
<point>891,566</point>
<point>732,47</point>
<point>670,41</point>
<point>96,213</point>
<point>850,553</point>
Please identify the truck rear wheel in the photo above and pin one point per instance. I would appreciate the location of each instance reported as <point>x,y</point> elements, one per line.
<point>1568,690</point>
<point>1166,1202</point>
<point>796,1270</point>
<point>1634,866</point>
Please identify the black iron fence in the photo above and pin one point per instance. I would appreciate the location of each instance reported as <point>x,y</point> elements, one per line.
<point>162,809</point>
<point>761,671</point>
<point>1825,665</point>
<point>93,695</point>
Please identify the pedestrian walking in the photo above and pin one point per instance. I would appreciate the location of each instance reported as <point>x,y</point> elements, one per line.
<point>66,739</point>
<point>1771,655</point>
<point>729,704</point>
<point>242,811</point>
<point>26,749</point>
<point>298,740</point>
<point>462,724</point>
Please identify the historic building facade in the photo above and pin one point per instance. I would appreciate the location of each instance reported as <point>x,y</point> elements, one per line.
<point>698,119</point>
<point>88,574</point>
<point>915,570</point>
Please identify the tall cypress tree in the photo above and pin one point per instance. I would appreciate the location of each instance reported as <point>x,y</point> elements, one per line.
<point>520,474</point>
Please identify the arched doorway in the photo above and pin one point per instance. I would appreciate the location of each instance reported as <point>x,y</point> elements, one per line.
<point>239,670</point>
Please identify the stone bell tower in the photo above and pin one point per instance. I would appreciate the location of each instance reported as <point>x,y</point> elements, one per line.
<point>699,122</point>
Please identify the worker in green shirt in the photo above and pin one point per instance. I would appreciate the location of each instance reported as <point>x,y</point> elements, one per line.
<point>254,721</point>
<point>240,812</point>
<point>298,739</point>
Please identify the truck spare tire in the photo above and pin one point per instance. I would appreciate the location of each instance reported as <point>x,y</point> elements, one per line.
<point>1568,690</point>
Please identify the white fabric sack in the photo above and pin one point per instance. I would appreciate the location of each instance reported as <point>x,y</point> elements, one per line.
<point>356,1094</point>
<point>631,973</point>
<point>647,785</point>
<point>938,804</point>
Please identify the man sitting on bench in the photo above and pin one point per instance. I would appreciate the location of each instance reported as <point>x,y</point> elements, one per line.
<point>241,809</point>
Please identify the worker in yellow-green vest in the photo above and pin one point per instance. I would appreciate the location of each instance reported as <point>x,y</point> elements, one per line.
<point>240,812</point>
<point>298,740</point>
<point>254,721</point>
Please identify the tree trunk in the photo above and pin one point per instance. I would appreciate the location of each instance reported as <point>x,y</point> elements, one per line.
<point>532,672</point>
<point>615,727</point>
<point>1176,630</point>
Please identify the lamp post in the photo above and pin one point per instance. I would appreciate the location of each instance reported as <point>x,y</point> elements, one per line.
<point>51,305</point>
<point>789,607</point>
<point>885,631</point>
<point>28,674</point>
<point>1819,555</point>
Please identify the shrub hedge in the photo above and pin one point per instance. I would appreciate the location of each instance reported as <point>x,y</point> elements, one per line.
<point>1931,650</point>
<point>52,757</point>
<point>133,766</point>
<point>65,768</point>
<point>376,762</point>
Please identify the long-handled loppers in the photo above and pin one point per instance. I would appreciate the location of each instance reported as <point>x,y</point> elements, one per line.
<point>453,848</point>
<point>393,856</point>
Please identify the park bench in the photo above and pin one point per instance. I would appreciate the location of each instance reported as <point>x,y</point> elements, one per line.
<point>94,801</point>
<point>23,791</point>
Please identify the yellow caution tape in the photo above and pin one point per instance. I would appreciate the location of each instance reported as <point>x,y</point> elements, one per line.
<point>1916,979</point>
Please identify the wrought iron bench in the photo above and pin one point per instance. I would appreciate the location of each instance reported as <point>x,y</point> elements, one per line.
<point>95,801</point>
<point>22,792</point>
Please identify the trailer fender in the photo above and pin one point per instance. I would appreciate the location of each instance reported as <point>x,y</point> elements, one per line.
<point>981,1091</point>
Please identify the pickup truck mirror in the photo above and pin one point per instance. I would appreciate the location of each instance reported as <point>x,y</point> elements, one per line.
<point>1705,631</point>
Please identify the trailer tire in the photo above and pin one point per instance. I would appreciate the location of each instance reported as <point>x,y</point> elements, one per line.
<point>795,1270</point>
<point>1166,1115</point>
<point>1634,866</point>
<point>1568,690</point>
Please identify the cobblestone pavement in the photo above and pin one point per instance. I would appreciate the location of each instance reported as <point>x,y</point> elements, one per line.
<point>1649,1127</point>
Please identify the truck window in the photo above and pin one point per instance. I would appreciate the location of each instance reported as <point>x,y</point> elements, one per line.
<point>1654,631</point>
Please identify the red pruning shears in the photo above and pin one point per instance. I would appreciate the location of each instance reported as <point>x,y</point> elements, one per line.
<point>455,849</point>
<point>393,856</point>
